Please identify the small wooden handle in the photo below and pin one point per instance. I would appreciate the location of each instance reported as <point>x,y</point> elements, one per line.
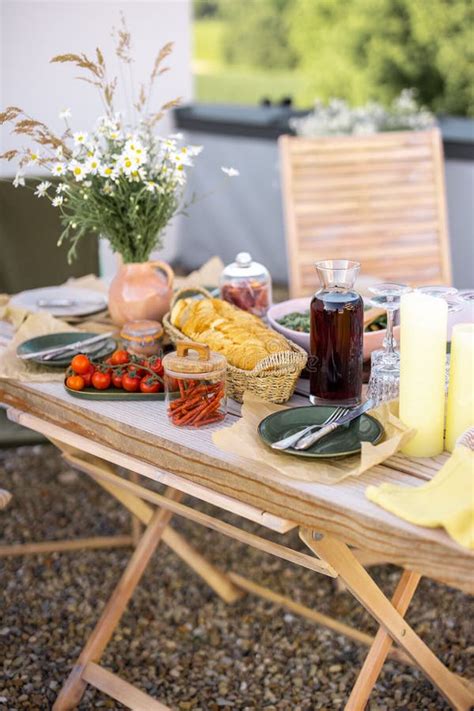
<point>169,273</point>
<point>183,348</point>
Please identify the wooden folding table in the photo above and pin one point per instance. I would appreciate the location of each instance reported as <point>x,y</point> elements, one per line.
<point>341,528</point>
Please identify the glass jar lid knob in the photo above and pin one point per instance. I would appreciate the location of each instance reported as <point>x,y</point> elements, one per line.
<point>243,259</point>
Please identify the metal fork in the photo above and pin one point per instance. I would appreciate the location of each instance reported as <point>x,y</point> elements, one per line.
<point>289,441</point>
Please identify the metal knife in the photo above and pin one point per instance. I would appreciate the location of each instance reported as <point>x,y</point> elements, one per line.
<point>64,349</point>
<point>308,440</point>
<point>68,303</point>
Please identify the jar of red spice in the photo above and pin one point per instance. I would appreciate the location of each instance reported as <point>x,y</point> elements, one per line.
<point>247,285</point>
<point>195,385</point>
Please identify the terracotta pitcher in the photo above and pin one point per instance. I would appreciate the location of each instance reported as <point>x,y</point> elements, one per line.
<point>141,291</point>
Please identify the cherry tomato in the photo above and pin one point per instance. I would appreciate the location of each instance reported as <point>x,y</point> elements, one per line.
<point>117,380</point>
<point>150,385</point>
<point>80,364</point>
<point>131,381</point>
<point>120,357</point>
<point>101,381</point>
<point>155,364</point>
<point>109,360</point>
<point>87,376</point>
<point>75,382</point>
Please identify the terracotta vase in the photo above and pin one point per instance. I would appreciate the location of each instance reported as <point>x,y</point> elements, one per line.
<point>141,291</point>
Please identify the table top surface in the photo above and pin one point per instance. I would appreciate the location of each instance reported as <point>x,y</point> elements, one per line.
<point>142,430</point>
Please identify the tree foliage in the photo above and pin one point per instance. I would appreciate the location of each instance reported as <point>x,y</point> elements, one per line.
<point>256,33</point>
<point>372,49</point>
<point>358,50</point>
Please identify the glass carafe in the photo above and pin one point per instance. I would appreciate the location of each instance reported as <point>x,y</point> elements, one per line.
<point>337,331</point>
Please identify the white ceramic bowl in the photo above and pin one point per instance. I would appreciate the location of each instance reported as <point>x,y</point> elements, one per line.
<point>372,339</point>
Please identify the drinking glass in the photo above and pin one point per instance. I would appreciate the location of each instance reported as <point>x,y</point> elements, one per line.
<point>385,364</point>
<point>387,295</point>
<point>449,293</point>
<point>466,294</point>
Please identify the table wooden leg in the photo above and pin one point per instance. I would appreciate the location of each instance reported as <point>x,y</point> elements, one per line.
<point>219,581</point>
<point>381,645</point>
<point>136,525</point>
<point>74,688</point>
<point>367,592</point>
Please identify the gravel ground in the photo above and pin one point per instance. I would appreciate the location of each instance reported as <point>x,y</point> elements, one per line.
<point>178,641</point>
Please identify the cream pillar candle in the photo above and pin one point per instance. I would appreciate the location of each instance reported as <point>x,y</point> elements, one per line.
<point>460,413</point>
<point>423,327</point>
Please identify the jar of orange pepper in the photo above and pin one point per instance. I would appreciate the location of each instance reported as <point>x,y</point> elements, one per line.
<point>195,385</point>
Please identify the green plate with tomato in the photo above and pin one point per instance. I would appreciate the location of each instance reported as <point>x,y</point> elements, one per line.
<point>112,394</point>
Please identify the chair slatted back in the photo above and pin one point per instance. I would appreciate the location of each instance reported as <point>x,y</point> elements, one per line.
<point>377,199</point>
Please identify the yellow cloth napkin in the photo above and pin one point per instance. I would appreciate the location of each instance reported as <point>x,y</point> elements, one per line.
<point>447,500</point>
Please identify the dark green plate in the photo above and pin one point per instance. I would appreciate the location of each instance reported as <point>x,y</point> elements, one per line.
<point>93,394</point>
<point>342,442</point>
<point>53,340</point>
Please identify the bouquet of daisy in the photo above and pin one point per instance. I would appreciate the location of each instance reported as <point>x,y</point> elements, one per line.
<point>123,182</point>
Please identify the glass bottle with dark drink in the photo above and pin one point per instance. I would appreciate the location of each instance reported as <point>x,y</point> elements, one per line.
<point>337,329</point>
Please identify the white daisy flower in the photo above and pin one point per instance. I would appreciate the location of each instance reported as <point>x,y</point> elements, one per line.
<point>65,114</point>
<point>195,150</point>
<point>151,186</point>
<point>107,171</point>
<point>42,188</point>
<point>19,180</point>
<point>58,169</point>
<point>80,137</point>
<point>231,172</point>
<point>78,170</point>
<point>168,143</point>
<point>59,152</point>
<point>34,156</point>
<point>181,159</point>
<point>57,201</point>
<point>62,187</point>
<point>93,165</point>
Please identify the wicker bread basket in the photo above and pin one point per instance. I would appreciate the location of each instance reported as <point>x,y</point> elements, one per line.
<point>273,378</point>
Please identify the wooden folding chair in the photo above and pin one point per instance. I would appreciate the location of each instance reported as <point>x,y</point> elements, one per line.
<point>377,199</point>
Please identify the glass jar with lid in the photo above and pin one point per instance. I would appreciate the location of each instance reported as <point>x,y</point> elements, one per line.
<point>195,385</point>
<point>247,284</point>
<point>142,338</point>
